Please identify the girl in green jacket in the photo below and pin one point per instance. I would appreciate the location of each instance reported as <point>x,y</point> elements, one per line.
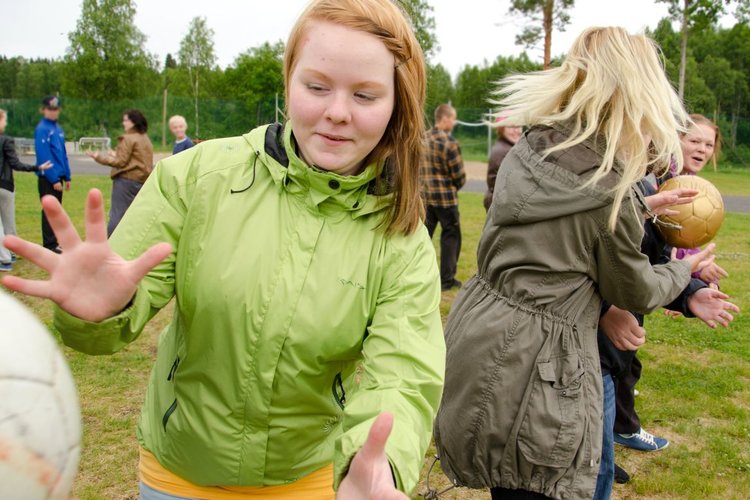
<point>306,324</point>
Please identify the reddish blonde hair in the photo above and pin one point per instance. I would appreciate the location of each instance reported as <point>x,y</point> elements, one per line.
<point>400,149</point>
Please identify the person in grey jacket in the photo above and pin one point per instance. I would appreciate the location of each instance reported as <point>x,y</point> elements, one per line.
<point>521,412</point>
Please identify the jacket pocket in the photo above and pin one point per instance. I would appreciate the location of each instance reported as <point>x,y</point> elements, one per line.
<point>555,419</point>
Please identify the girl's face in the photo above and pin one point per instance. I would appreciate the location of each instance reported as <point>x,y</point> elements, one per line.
<point>3,123</point>
<point>341,96</point>
<point>126,123</point>
<point>698,147</point>
<point>512,134</point>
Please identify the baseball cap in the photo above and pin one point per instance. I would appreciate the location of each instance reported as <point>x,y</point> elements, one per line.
<point>51,101</point>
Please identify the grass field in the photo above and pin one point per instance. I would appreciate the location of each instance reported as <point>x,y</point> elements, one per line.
<point>695,388</point>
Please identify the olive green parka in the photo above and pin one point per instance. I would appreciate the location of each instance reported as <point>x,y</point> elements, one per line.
<point>522,404</point>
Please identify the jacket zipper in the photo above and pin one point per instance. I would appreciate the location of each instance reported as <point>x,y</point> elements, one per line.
<point>168,413</point>
<point>174,368</point>
<point>337,389</point>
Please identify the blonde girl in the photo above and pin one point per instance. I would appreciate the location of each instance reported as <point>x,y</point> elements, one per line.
<point>522,409</point>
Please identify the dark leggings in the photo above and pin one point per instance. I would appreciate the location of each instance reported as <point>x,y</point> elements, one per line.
<point>626,419</point>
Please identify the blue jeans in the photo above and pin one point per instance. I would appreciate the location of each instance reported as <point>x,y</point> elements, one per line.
<point>148,493</point>
<point>607,465</point>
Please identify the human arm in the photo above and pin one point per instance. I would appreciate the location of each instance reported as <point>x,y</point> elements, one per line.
<point>660,202</point>
<point>43,152</point>
<point>404,362</point>
<point>108,320</point>
<point>624,274</point>
<point>121,156</point>
<point>88,280</point>
<point>711,307</point>
<point>11,158</point>
<point>622,328</point>
<point>455,163</point>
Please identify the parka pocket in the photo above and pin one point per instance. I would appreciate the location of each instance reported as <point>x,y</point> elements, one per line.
<point>555,418</point>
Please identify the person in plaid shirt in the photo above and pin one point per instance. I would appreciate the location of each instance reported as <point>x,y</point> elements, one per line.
<point>442,176</point>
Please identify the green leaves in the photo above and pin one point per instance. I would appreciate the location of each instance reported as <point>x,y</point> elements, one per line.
<point>106,58</point>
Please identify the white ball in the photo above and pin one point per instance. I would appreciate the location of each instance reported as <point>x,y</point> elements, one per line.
<point>40,420</point>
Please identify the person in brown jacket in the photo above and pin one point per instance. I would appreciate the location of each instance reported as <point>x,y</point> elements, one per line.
<point>131,164</point>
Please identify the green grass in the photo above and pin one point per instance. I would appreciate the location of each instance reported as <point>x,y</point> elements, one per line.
<point>695,388</point>
<point>729,180</point>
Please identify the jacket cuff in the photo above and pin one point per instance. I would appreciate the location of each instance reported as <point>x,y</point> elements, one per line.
<point>103,337</point>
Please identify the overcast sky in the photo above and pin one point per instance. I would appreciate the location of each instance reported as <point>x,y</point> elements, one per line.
<point>468,31</point>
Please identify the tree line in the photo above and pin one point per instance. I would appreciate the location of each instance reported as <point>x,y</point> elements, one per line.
<point>106,70</point>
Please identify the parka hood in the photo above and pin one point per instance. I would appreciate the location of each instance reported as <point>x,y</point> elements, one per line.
<point>544,188</point>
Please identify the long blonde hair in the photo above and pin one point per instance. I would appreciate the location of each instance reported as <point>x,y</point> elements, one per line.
<point>402,143</point>
<point>611,86</point>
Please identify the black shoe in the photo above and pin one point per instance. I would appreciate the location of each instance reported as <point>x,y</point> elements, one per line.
<point>455,284</point>
<point>621,477</point>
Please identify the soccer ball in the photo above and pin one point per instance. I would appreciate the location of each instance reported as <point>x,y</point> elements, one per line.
<point>40,421</point>
<point>700,219</point>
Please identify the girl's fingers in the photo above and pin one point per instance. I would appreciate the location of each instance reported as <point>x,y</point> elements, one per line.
<point>150,258</point>
<point>96,229</point>
<point>41,289</point>
<point>374,446</point>
<point>34,253</point>
<point>720,270</point>
<point>731,307</point>
<point>61,224</point>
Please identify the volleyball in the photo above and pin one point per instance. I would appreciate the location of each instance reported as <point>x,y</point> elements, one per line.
<point>699,220</point>
<point>40,420</point>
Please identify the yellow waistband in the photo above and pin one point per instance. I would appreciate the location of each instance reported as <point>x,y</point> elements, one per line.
<point>315,486</point>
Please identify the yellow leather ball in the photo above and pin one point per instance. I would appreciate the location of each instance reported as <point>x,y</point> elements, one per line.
<point>700,219</point>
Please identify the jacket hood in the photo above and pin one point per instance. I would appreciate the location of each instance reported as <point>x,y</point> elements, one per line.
<point>322,190</point>
<point>537,188</point>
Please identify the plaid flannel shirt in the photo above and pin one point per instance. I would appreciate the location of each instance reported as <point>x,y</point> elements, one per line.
<point>442,169</point>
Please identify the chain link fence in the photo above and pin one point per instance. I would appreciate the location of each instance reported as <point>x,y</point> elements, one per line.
<point>226,118</point>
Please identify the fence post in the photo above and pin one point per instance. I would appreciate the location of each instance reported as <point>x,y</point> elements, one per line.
<point>164,119</point>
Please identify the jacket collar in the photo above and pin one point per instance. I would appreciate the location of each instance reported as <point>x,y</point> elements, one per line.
<point>323,190</point>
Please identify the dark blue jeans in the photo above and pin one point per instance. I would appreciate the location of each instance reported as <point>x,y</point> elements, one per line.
<point>607,465</point>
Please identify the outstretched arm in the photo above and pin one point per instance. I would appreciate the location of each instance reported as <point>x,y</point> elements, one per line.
<point>88,280</point>
<point>711,306</point>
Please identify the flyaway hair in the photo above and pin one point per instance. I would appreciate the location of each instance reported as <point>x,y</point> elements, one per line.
<point>612,87</point>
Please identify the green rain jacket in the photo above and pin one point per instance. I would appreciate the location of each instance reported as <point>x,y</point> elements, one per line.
<point>297,321</point>
<point>522,407</point>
